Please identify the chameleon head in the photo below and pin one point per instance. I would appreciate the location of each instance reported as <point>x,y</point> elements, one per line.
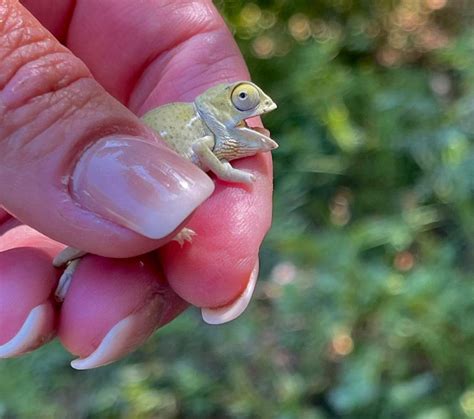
<point>225,107</point>
<point>232,103</point>
<point>249,100</point>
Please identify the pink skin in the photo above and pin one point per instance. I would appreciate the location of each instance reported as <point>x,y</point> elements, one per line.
<point>144,54</point>
<point>15,277</point>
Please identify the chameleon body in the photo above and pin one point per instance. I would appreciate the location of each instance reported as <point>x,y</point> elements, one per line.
<point>210,132</point>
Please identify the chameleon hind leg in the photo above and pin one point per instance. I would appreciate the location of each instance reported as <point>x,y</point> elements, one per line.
<point>71,257</point>
<point>67,255</point>
<point>65,280</point>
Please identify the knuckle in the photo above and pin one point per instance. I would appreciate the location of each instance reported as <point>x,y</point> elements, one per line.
<point>43,75</point>
<point>36,74</point>
<point>21,40</point>
<point>32,62</point>
<point>27,130</point>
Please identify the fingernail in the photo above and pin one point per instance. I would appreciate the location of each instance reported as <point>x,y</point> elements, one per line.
<point>124,337</point>
<point>236,308</point>
<point>36,330</point>
<point>139,185</point>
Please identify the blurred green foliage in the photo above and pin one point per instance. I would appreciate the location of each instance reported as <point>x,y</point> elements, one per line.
<point>365,308</point>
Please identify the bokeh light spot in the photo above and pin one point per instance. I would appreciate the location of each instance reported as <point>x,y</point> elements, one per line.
<point>263,46</point>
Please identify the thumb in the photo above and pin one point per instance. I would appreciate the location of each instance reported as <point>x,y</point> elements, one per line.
<point>74,163</point>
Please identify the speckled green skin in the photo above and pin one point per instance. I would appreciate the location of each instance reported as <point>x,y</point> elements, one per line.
<point>211,131</point>
<point>179,125</point>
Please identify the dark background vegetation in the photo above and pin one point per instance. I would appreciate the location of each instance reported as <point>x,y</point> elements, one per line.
<point>365,307</point>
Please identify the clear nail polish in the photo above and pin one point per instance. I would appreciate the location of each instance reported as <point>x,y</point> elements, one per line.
<point>140,185</point>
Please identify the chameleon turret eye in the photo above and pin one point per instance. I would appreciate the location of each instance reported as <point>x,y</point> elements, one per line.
<point>245,97</point>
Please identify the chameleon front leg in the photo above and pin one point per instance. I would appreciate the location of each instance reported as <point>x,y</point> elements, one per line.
<point>221,168</point>
<point>185,235</point>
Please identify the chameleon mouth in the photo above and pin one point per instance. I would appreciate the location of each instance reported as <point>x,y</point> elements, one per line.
<point>243,124</point>
<point>260,130</point>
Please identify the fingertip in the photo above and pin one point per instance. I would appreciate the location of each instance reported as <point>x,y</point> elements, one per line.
<point>112,307</point>
<point>233,310</point>
<point>122,338</point>
<point>37,329</point>
<point>27,314</point>
<point>215,268</point>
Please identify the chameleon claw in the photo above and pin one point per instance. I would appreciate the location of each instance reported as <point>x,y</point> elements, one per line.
<point>185,235</point>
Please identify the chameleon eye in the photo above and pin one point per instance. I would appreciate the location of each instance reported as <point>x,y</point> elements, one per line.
<point>245,97</point>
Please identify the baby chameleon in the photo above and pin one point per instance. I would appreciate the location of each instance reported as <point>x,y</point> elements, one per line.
<point>210,132</point>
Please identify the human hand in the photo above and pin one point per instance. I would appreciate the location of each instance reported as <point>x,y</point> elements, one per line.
<point>144,54</point>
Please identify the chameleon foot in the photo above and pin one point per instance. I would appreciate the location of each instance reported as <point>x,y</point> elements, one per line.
<point>67,255</point>
<point>71,257</point>
<point>185,235</point>
<point>65,280</point>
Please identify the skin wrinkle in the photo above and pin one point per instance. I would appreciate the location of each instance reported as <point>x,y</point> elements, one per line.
<point>33,126</point>
<point>3,14</point>
<point>37,71</point>
<point>46,75</point>
<point>22,46</point>
<point>51,101</point>
<point>9,68</point>
<point>8,15</point>
<point>20,50</point>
